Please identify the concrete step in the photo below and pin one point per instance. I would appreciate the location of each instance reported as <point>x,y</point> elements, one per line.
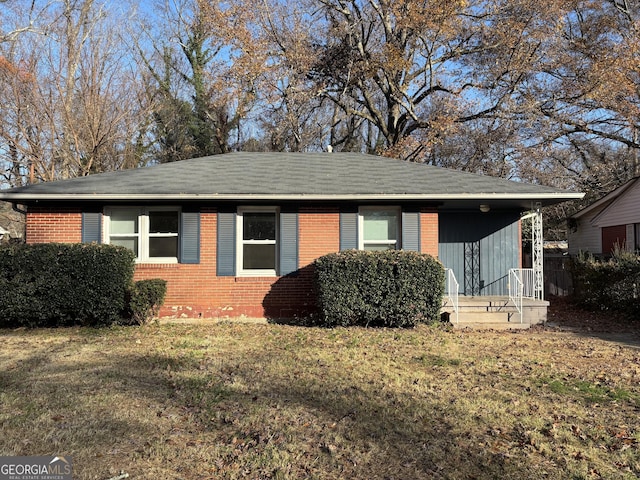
<point>491,326</point>
<point>495,313</point>
<point>488,317</point>
<point>480,308</point>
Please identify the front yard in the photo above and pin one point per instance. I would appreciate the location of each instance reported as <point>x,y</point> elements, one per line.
<point>272,401</point>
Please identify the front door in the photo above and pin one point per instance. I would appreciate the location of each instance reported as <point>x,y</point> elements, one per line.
<point>472,283</point>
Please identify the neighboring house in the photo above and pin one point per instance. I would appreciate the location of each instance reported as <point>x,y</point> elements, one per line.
<point>613,221</point>
<point>236,234</point>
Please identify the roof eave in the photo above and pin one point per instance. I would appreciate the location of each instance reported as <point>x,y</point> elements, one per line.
<point>72,197</point>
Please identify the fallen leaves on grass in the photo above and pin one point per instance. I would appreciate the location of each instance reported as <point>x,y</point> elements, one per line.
<point>269,401</point>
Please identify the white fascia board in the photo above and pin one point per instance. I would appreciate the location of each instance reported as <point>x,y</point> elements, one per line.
<point>17,197</point>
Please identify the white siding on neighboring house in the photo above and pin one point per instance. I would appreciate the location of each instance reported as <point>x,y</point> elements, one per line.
<point>587,238</point>
<point>624,210</point>
<point>619,208</point>
<point>631,233</point>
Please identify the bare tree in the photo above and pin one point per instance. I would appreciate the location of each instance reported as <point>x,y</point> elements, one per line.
<point>70,96</point>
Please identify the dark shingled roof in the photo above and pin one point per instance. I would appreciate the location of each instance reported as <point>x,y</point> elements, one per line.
<point>288,176</point>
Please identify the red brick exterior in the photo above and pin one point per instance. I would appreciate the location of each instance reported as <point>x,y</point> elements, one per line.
<point>194,290</point>
<point>429,231</point>
<point>47,225</point>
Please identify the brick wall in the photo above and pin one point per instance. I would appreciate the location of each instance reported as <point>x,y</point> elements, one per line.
<point>429,231</point>
<point>194,290</point>
<point>46,225</point>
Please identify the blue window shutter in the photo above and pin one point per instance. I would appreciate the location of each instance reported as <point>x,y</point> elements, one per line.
<point>226,244</point>
<point>411,231</point>
<point>190,237</point>
<point>91,227</point>
<point>348,230</point>
<point>288,242</point>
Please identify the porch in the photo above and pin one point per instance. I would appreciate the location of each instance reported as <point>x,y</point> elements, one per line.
<point>495,313</point>
<point>520,309</point>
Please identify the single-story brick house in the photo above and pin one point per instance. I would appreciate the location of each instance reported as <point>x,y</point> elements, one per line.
<point>612,221</point>
<point>236,234</point>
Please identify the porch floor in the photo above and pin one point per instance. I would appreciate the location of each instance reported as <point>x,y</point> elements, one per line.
<point>495,313</point>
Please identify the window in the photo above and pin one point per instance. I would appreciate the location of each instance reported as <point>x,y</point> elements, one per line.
<point>636,246</point>
<point>257,251</point>
<point>379,228</point>
<point>150,232</point>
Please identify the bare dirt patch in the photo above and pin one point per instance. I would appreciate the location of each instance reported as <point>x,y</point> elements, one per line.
<point>273,401</point>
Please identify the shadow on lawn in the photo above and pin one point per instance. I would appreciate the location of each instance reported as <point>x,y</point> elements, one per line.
<point>87,409</point>
<point>362,429</point>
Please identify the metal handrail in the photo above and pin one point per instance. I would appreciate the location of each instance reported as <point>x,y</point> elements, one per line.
<point>452,287</point>
<point>523,282</point>
<point>516,289</point>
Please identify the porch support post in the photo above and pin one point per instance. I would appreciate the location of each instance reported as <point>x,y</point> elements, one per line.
<point>537,252</point>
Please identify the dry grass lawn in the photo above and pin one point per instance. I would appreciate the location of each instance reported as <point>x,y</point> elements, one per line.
<point>284,402</point>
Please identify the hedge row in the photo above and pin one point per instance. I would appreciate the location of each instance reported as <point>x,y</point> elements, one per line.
<point>612,284</point>
<point>392,288</point>
<point>52,284</point>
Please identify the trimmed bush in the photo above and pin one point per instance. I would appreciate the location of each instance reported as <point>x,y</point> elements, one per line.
<point>144,301</point>
<point>612,284</point>
<point>54,284</point>
<point>392,288</point>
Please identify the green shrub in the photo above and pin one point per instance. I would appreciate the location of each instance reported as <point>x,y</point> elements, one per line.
<point>54,284</point>
<point>145,298</point>
<point>392,288</point>
<point>612,284</point>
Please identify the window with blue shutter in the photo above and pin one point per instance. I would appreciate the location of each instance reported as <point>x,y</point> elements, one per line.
<point>380,228</point>
<point>151,232</point>
<point>156,234</point>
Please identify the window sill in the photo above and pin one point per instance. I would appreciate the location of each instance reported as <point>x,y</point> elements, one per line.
<point>146,264</point>
<point>255,278</point>
<point>158,261</point>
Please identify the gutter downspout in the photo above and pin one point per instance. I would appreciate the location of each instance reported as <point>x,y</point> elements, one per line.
<point>14,207</point>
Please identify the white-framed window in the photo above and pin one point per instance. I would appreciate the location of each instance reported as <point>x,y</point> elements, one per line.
<point>150,232</point>
<point>257,241</point>
<point>379,228</point>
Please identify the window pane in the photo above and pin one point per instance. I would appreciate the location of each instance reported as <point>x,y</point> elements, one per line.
<point>130,243</point>
<point>124,221</point>
<point>259,226</point>
<point>163,222</point>
<point>259,257</point>
<point>163,247</point>
<point>380,225</point>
